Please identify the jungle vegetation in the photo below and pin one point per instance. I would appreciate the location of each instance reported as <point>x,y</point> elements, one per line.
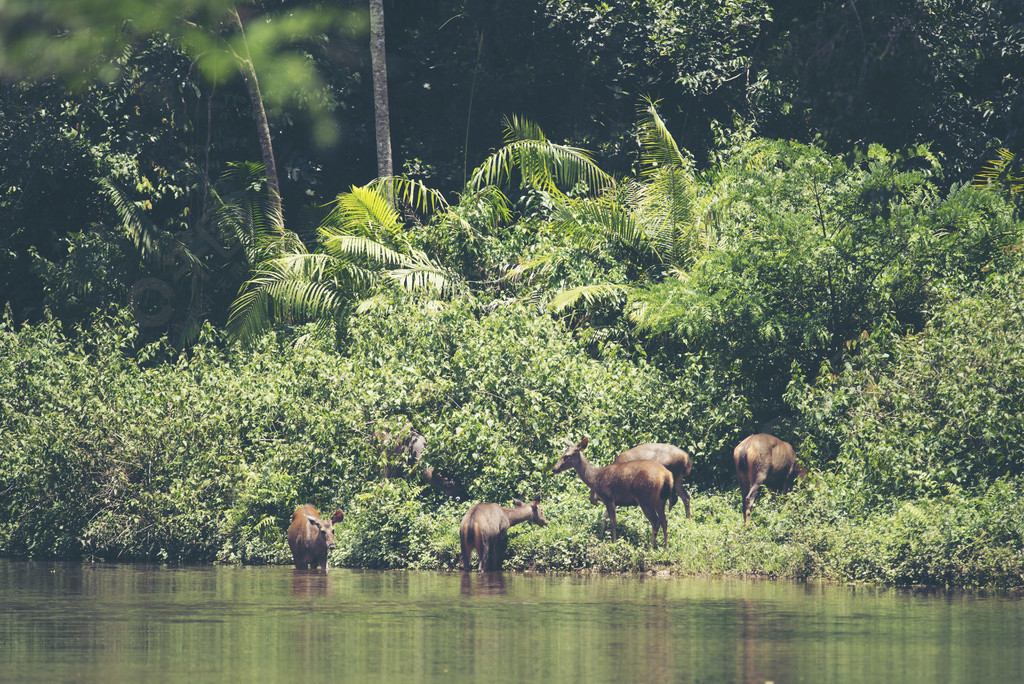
<point>645,221</point>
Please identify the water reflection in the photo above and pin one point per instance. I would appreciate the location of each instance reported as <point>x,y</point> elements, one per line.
<point>113,623</point>
<point>310,583</point>
<point>483,584</point>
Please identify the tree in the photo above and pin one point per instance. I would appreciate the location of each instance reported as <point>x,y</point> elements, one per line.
<point>606,236</point>
<point>222,36</point>
<point>947,73</point>
<point>136,92</point>
<point>811,252</point>
<point>382,122</point>
<point>247,69</point>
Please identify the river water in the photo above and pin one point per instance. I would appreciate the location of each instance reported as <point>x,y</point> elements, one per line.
<point>65,622</point>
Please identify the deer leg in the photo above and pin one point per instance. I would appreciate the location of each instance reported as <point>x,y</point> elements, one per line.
<point>498,554</point>
<point>484,555</point>
<point>744,488</point>
<point>656,516</point>
<point>748,501</point>
<point>659,519</point>
<point>611,515</point>
<point>685,496</point>
<point>664,525</point>
<point>604,522</point>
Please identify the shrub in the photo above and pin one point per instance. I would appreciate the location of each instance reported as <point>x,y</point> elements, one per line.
<point>924,414</point>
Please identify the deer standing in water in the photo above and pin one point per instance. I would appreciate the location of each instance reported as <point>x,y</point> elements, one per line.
<point>484,529</point>
<point>310,537</point>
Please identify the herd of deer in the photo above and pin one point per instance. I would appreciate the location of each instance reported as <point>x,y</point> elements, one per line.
<point>649,476</point>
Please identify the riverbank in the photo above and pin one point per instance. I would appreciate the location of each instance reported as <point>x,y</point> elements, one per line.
<point>120,452</point>
<point>965,541</point>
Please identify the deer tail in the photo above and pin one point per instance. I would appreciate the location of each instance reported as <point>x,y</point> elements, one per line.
<point>741,462</point>
<point>667,492</point>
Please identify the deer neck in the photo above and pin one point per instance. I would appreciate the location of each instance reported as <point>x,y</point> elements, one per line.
<point>518,514</point>
<point>587,472</point>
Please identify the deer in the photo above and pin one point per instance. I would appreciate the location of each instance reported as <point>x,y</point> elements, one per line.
<point>638,483</point>
<point>399,455</point>
<point>404,456</point>
<point>764,459</point>
<point>672,457</point>
<point>447,484</point>
<point>484,529</point>
<point>310,537</point>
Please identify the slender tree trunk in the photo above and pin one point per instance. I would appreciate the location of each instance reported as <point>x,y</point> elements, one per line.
<point>248,71</point>
<point>380,89</point>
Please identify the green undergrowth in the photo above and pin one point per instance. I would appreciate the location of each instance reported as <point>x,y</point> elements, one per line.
<point>114,452</point>
<point>955,541</point>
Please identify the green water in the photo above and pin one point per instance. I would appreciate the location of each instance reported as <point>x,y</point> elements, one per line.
<point>129,623</point>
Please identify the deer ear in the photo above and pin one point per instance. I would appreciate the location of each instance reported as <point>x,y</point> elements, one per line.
<point>584,442</point>
<point>536,500</point>
<point>338,516</point>
<point>313,521</point>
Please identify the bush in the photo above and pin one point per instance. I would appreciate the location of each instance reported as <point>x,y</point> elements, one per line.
<point>115,450</point>
<point>111,450</point>
<point>922,415</point>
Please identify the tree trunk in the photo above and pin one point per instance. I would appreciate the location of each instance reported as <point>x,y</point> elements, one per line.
<point>380,89</point>
<point>248,71</point>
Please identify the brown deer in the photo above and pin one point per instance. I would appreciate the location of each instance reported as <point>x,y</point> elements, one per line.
<point>672,457</point>
<point>764,459</point>
<point>638,483</point>
<point>484,529</point>
<point>310,537</point>
<point>401,457</point>
<point>398,456</point>
<point>444,483</point>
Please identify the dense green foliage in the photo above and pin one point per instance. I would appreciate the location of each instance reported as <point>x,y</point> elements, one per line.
<point>158,110</point>
<point>775,230</point>
<point>119,452</point>
<point>927,414</point>
<point>811,252</point>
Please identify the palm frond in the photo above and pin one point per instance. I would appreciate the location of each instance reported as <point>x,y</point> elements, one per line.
<point>410,192</point>
<point>424,274</point>
<point>362,211</point>
<point>240,203</point>
<point>590,223</point>
<point>520,128</point>
<point>658,145</point>
<point>358,246</point>
<point>489,201</point>
<point>666,206</point>
<point>287,288</point>
<point>242,196</point>
<point>139,229</point>
<point>590,295</point>
<point>537,265</point>
<point>542,164</point>
<point>1003,174</point>
<point>496,169</point>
